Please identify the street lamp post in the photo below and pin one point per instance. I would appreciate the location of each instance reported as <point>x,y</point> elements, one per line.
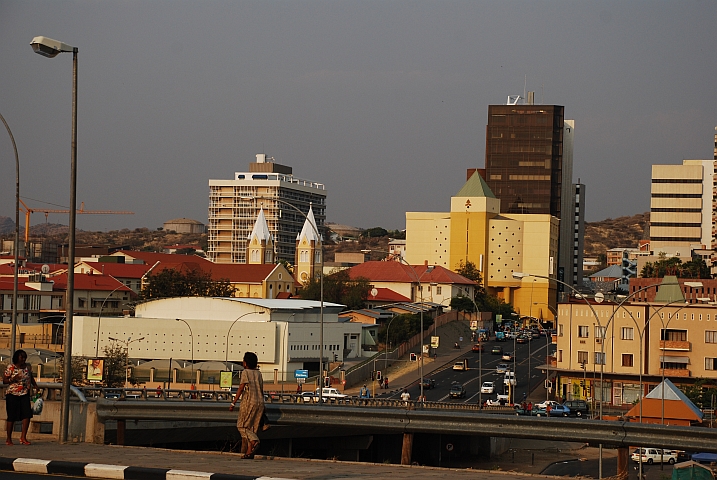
<point>16,246</point>
<point>226,351</point>
<point>321,280</point>
<point>385,356</point>
<point>126,344</point>
<point>547,351</point>
<point>51,48</point>
<point>99,317</point>
<point>191,338</point>
<point>420,289</point>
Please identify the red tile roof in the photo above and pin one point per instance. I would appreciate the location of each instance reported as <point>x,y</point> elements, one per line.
<point>386,295</point>
<point>401,273</point>
<point>121,270</point>
<point>240,272</point>
<point>151,258</point>
<point>91,282</point>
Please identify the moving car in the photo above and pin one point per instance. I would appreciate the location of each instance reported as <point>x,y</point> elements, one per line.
<point>655,455</point>
<point>497,350</point>
<point>477,348</point>
<point>461,365</point>
<point>487,387</point>
<point>522,339</point>
<point>429,383</point>
<point>457,390</point>
<point>502,368</point>
<point>499,337</point>
<point>508,356</point>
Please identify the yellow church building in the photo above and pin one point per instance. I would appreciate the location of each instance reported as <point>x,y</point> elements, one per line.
<point>498,244</point>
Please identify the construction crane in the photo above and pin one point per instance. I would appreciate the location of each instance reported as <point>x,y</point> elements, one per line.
<point>27,210</point>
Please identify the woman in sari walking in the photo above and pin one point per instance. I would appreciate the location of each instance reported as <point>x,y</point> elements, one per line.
<point>251,407</point>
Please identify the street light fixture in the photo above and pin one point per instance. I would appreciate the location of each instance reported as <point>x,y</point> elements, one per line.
<point>17,239</point>
<point>48,47</point>
<point>99,317</point>
<point>191,338</point>
<point>321,281</point>
<point>226,351</point>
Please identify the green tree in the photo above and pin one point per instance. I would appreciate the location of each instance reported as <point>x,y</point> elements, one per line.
<point>194,283</point>
<point>695,268</point>
<point>403,327</point>
<point>462,304</point>
<point>338,288</point>
<point>701,393</point>
<point>115,363</point>
<point>471,272</point>
<point>374,232</point>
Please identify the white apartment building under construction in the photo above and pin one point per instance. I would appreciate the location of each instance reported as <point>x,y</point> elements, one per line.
<point>234,206</point>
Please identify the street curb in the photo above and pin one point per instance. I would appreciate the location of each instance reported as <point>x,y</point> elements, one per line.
<point>96,470</point>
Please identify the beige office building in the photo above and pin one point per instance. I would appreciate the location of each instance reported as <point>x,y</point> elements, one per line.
<point>234,206</point>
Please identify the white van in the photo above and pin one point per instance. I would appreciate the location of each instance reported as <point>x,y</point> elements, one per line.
<point>509,379</point>
<point>655,455</point>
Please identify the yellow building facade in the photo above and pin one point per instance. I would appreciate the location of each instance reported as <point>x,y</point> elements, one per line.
<point>498,244</point>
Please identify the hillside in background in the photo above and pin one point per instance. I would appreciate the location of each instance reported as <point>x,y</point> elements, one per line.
<point>618,232</point>
<point>599,236</point>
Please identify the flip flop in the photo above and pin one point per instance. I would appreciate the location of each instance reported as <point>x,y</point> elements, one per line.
<point>24,442</point>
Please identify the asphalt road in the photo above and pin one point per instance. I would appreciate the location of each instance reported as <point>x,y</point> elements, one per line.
<point>526,355</point>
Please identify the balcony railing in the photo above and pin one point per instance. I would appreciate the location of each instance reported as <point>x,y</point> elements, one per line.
<point>675,372</point>
<point>675,345</point>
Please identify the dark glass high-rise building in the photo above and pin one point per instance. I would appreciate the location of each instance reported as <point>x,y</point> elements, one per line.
<point>529,167</point>
<point>524,157</point>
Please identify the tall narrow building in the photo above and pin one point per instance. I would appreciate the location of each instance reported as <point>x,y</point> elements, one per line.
<point>260,244</point>
<point>234,206</point>
<point>529,167</point>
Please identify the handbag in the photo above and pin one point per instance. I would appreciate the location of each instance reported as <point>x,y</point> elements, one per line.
<point>36,403</point>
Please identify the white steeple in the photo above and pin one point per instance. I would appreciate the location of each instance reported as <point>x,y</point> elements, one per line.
<point>261,228</point>
<point>310,228</point>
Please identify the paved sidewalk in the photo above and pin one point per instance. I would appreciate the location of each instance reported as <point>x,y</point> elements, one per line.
<point>186,464</point>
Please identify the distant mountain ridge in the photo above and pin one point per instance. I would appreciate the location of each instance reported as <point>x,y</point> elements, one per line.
<point>618,232</point>
<point>599,236</point>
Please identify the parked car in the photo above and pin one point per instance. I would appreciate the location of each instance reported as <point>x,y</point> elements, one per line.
<point>461,365</point>
<point>579,408</point>
<point>477,348</point>
<point>655,455</point>
<point>556,411</point>
<point>508,356</point>
<point>544,404</point>
<point>509,378</point>
<point>326,395</point>
<point>500,400</point>
<point>497,350</point>
<point>429,383</point>
<point>487,387</point>
<point>457,390</point>
<point>502,368</point>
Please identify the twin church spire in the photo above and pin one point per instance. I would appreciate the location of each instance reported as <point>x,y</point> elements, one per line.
<point>307,261</point>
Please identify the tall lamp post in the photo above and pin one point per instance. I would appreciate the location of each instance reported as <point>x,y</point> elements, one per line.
<point>547,350</point>
<point>51,48</point>
<point>226,351</point>
<point>17,238</point>
<point>126,344</point>
<point>191,338</point>
<point>321,281</point>
<point>99,317</point>
<point>420,289</point>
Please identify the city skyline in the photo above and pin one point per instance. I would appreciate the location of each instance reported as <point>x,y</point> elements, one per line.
<point>384,103</point>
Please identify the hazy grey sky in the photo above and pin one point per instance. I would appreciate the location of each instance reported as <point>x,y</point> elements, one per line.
<point>385,102</point>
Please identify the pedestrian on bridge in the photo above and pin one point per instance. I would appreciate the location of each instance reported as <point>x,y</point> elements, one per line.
<point>251,408</point>
<point>18,377</point>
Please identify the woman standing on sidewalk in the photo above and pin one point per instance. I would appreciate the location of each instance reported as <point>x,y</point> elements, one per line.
<point>18,377</point>
<point>251,408</point>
